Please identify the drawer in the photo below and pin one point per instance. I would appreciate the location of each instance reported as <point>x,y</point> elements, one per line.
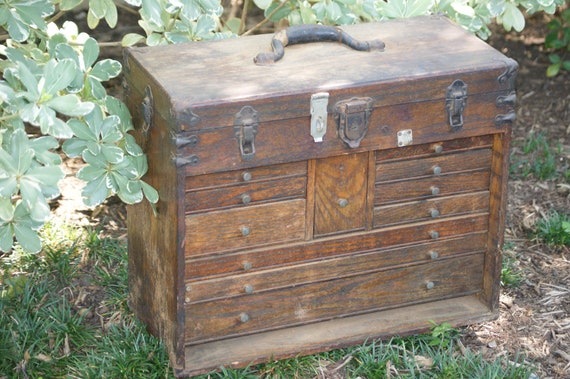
<point>430,187</point>
<point>256,281</point>
<point>436,148</point>
<point>246,194</point>
<point>470,226</point>
<point>433,166</point>
<point>421,210</point>
<point>321,301</point>
<point>238,228</point>
<point>251,175</point>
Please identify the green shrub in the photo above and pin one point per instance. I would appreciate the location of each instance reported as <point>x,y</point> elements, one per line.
<point>554,229</point>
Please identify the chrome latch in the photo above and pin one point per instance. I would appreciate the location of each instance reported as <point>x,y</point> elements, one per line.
<point>245,127</point>
<point>352,118</point>
<point>405,137</point>
<point>456,99</point>
<point>319,103</point>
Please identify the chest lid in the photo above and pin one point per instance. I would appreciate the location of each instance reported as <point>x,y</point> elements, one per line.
<point>421,78</point>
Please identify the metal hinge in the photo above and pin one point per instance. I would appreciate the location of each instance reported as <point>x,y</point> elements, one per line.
<point>455,101</point>
<point>245,128</point>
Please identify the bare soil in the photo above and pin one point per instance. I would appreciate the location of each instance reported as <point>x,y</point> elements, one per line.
<point>535,316</point>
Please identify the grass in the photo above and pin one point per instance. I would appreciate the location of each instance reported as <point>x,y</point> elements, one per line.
<point>64,314</point>
<point>540,160</point>
<point>554,229</point>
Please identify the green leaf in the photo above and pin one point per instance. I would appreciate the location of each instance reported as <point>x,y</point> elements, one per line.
<point>96,191</point>
<point>27,238</point>
<point>42,146</point>
<point>262,4</point>
<point>151,10</point>
<point>566,65</point>
<point>28,80</point>
<point>90,52</point>
<point>131,146</point>
<point>18,30</point>
<point>111,13</point>
<point>35,202</point>
<point>150,193</point>
<point>70,105</point>
<point>131,39</point>
<point>6,209</point>
<point>513,18</point>
<point>67,5</point>
<point>52,125</point>
<point>553,70</point>
<point>90,173</point>
<point>58,75</point>
<point>6,237</point>
<point>45,175</point>
<point>554,58</point>
<point>106,69</point>
<point>74,147</point>
<point>112,154</point>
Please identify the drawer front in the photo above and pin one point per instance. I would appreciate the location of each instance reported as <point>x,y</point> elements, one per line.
<point>246,194</point>
<point>430,187</point>
<point>263,280</point>
<point>431,209</point>
<point>441,164</point>
<point>252,175</point>
<point>340,193</point>
<point>436,148</point>
<point>239,228</point>
<point>470,226</point>
<point>331,299</point>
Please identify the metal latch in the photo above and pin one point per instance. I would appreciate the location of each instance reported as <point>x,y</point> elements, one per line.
<point>353,117</point>
<point>245,128</point>
<point>456,99</point>
<point>319,103</point>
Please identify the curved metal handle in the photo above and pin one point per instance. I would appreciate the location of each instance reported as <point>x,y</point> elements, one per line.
<point>312,33</point>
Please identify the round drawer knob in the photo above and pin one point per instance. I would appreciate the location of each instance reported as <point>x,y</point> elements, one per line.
<point>437,170</point>
<point>248,289</point>
<point>342,203</point>
<point>188,288</point>
<point>246,176</point>
<point>245,231</point>
<point>433,254</point>
<point>247,266</point>
<point>438,149</point>
<point>430,285</point>
<point>434,213</point>
<point>243,317</point>
<point>434,190</point>
<point>433,234</point>
<point>245,198</point>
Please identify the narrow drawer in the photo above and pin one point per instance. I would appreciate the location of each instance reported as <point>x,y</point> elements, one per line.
<point>251,175</point>
<point>430,187</point>
<point>436,148</point>
<point>415,211</point>
<point>256,281</point>
<point>473,226</point>
<point>433,166</point>
<point>335,298</point>
<point>238,228</point>
<point>246,194</point>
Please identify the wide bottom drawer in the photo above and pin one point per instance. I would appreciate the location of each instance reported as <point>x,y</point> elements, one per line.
<point>320,301</point>
<point>332,334</point>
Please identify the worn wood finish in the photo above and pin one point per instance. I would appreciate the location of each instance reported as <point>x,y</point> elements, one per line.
<point>320,301</point>
<point>436,185</point>
<point>228,264</point>
<point>441,164</point>
<point>233,229</point>
<point>336,333</point>
<point>340,194</point>
<point>431,208</point>
<point>307,246</point>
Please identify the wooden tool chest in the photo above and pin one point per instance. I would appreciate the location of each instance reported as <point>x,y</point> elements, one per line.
<point>320,198</point>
